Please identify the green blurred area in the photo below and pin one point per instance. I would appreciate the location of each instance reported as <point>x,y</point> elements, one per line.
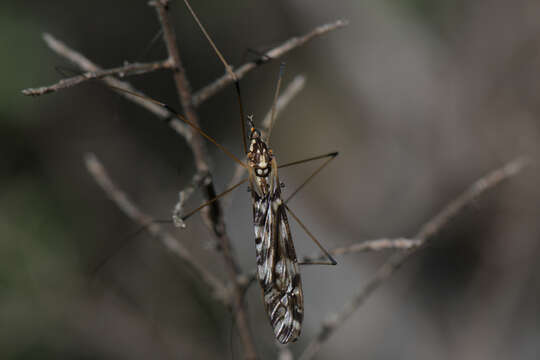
<point>435,14</point>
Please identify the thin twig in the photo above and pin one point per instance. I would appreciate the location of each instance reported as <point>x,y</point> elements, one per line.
<point>95,72</point>
<point>293,89</point>
<point>100,175</point>
<point>364,246</point>
<point>213,216</point>
<point>85,64</point>
<point>210,90</point>
<point>369,245</point>
<point>427,231</point>
<point>122,71</point>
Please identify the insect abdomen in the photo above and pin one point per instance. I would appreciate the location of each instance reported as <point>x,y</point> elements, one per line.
<point>277,268</point>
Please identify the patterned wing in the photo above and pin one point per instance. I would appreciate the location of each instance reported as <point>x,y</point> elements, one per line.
<point>277,268</point>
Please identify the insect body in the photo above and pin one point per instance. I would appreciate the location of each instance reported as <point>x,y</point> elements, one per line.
<point>277,266</point>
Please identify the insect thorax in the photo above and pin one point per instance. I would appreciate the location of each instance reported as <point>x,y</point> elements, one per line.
<point>259,155</point>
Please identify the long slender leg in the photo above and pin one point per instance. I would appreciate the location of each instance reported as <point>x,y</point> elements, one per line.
<point>242,119</point>
<point>274,103</point>
<point>150,45</point>
<point>192,212</point>
<point>137,232</point>
<point>125,242</point>
<point>228,69</point>
<point>298,162</point>
<point>331,260</point>
<point>180,117</point>
<point>330,157</point>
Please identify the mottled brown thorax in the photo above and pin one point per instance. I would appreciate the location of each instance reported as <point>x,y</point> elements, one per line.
<point>262,165</point>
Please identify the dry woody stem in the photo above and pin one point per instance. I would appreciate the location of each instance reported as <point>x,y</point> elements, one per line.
<point>210,90</point>
<point>426,232</point>
<point>200,96</point>
<point>369,245</point>
<point>87,65</point>
<point>213,216</point>
<point>99,174</point>
<point>122,71</point>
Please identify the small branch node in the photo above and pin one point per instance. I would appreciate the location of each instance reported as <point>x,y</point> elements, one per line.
<point>178,210</point>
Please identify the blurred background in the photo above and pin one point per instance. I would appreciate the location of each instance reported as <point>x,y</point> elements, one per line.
<point>421,98</point>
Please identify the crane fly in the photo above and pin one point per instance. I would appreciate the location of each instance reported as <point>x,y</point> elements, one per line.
<point>277,263</point>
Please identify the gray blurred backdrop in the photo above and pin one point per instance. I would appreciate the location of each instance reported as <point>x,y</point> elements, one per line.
<point>420,97</point>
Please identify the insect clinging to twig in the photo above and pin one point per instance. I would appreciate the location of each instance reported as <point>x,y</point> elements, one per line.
<point>277,263</point>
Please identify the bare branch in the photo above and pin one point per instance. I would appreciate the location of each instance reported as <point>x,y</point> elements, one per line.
<point>85,64</point>
<point>364,246</point>
<point>75,57</point>
<point>369,245</point>
<point>293,89</point>
<point>93,71</point>
<point>213,216</point>
<point>100,175</point>
<point>182,84</point>
<point>427,231</point>
<point>210,90</point>
<point>126,70</point>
